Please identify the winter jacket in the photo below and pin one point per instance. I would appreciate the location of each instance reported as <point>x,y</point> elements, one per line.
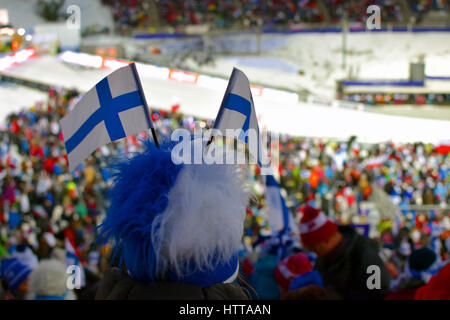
<point>344,271</point>
<point>116,285</point>
<point>263,278</point>
<point>404,294</point>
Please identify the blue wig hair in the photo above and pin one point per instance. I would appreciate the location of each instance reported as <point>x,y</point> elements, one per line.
<point>140,193</point>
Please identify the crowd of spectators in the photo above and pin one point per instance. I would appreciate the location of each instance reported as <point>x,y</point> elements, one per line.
<point>399,98</point>
<point>131,14</point>
<point>135,14</point>
<point>422,6</point>
<point>46,212</point>
<point>356,11</point>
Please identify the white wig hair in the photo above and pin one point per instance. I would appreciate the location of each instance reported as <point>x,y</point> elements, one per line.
<point>203,223</point>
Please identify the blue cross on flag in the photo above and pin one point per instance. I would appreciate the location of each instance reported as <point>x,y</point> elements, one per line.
<point>115,108</point>
<point>237,112</point>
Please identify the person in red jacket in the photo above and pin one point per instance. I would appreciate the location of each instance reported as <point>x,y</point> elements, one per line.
<point>438,288</point>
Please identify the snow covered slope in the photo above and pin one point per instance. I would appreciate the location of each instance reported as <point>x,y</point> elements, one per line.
<point>378,55</point>
<point>14,98</point>
<point>293,118</point>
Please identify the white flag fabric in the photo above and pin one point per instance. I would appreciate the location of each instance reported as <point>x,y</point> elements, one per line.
<point>115,108</point>
<point>280,219</point>
<point>237,112</point>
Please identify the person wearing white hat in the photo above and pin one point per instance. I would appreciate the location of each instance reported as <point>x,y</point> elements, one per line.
<point>48,281</point>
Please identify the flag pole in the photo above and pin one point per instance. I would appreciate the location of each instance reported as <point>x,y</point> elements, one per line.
<point>144,101</point>
<point>221,105</point>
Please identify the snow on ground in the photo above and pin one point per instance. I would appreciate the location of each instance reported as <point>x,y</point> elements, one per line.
<point>14,98</point>
<point>319,56</point>
<point>49,70</point>
<point>425,111</point>
<point>298,119</point>
<point>22,13</point>
<point>265,75</point>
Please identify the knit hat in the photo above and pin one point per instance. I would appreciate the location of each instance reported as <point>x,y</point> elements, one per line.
<point>315,227</point>
<point>290,268</point>
<point>307,279</point>
<point>424,263</point>
<point>48,280</point>
<point>14,272</point>
<point>421,259</point>
<point>25,255</point>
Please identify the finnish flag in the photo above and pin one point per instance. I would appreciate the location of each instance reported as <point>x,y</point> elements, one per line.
<point>115,108</point>
<point>279,216</point>
<point>237,112</point>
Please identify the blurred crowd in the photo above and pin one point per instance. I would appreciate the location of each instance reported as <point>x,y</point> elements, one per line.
<point>49,217</point>
<point>421,7</point>
<point>427,5</point>
<point>399,98</point>
<point>356,11</point>
<point>129,14</point>
<point>132,14</point>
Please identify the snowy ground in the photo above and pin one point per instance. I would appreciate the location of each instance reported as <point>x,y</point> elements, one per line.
<point>14,98</point>
<point>299,119</point>
<point>424,112</point>
<point>319,57</point>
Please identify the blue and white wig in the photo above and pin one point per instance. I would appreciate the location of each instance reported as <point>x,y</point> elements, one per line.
<point>177,222</point>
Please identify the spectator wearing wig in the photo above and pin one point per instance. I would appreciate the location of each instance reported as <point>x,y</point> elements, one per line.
<point>177,228</point>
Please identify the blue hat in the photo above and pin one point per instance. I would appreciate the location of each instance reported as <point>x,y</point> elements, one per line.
<point>14,272</point>
<point>424,263</point>
<point>307,279</point>
<point>176,221</point>
<point>422,259</point>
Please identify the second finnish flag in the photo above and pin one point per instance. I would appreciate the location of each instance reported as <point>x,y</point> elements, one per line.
<point>237,112</point>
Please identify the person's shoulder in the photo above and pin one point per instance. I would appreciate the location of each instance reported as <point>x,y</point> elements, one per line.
<point>114,285</point>
<point>165,290</point>
<point>226,291</point>
<point>186,291</point>
<point>118,285</point>
<point>357,241</point>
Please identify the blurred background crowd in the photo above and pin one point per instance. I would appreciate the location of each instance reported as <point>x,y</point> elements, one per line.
<point>48,216</point>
